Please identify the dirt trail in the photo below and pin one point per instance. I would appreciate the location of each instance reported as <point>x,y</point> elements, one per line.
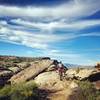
<point>52,88</point>
<point>60,95</point>
<point>69,93</point>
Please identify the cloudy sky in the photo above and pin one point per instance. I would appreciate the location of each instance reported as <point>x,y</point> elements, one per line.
<point>67,30</point>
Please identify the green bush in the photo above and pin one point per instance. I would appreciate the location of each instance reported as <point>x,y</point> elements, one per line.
<point>89,90</point>
<point>5,91</point>
<point>23,91</point>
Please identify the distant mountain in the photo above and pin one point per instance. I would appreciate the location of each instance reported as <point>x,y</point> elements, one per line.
<point>68,65</point>
<point>72,65</point>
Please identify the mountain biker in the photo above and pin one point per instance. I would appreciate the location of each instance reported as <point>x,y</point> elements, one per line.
<point>61,70</point>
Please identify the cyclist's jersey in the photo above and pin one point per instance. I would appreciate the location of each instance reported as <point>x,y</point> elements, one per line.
<point>60,68</point>
<point>60,65</point>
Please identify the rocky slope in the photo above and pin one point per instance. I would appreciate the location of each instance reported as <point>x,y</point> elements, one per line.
<point>59,90</point>
<point>81,73</point>
<point>42,72</point>
<point>31,72</point>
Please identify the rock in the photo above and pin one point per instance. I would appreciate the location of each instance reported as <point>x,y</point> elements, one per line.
<point>31,72</point>
<point>58,90</point>
<point>4,76</point>
<point>15,69</point>
<point>74,85</point>
<point>94,77</point>
<point>84,73</point>
<point>3,68</point>
<point>70,73</point>
<point>24,65</point>
<point>80,73</point>
<point>5,73</point>
<point>51,68</point>
<point>49,80</point>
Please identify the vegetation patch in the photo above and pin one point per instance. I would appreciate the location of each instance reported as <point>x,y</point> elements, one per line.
<point>23,91</point>
<point>89,90</point>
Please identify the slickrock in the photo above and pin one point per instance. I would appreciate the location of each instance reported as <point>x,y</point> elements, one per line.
<point>31,72</point>
<point>15,69</point>
<point>56,89</point>
<point>4,76</point>
<point>80,73</point>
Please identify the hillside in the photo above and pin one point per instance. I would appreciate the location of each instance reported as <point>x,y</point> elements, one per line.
<point>27,78</point>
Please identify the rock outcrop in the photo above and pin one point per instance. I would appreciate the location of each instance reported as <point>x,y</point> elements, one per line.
<point>15,69</point>
<point>42,72</point>
<point>81,73</point>
<point>32,71</point>
<point>5,76</point>
<point>58,90</point>
<point>49,80</point>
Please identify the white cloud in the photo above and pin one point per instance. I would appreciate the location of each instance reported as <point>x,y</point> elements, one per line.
<point>49,19</point>
<point>50,26</point>
<point>34,40</point>
<point>21,37</point>
<point>2,22</point>
<point>37,40</point>
<point>67,10</point>
<point>90,34</point>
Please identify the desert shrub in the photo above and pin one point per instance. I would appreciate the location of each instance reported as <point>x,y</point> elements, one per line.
<point>23,91</point>
<point>5,91</point>
<point>89,90</point>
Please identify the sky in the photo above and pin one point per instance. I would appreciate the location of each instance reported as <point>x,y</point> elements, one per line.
<point>66,30</point>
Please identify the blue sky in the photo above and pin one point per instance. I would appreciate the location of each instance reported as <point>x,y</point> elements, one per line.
<point>66,30</point>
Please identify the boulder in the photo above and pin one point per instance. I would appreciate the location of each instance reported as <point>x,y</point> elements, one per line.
<point>49,80</point>
<point>4,76</point>
<point>84,73</point>
<point>73,85</point>
<point>56,89</point>
<point>94,77</point>
<point>5,73</point>
<point>51,68</point>
<point>80,73</point>
<point>31,72</point>
<point>70,73</point>
<point>24,65</point>
<point>15,69</point>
